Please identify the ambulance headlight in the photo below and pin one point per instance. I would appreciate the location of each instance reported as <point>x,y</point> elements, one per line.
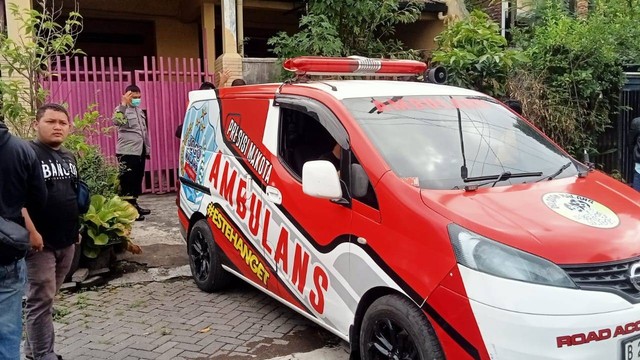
<point>479,253</point>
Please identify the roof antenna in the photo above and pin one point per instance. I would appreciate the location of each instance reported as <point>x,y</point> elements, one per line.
<point>464,172</point>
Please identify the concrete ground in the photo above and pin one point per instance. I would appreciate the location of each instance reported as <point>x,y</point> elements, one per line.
<point>154,310</point>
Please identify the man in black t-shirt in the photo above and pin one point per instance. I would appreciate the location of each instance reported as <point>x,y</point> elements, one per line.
<point>56,226</point>
<point>21,185</point>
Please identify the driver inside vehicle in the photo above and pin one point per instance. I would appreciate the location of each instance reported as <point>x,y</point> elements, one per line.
<point>333,156</point>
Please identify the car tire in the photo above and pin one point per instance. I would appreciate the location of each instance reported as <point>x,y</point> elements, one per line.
<point>204,259</point>
<point>395,328</point>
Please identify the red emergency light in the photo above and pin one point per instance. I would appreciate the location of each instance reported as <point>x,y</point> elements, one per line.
<point>353,66</point>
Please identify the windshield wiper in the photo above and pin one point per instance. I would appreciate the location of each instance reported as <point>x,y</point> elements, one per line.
<point>552,176</point>
<point>494,179</point>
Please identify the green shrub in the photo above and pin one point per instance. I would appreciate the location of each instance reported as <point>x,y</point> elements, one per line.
<point>349,27</point>
<point>109,219</point>
<point>571,85</point>
<point>476,55</point>
<point>24,63</point>
<point>99,172</point>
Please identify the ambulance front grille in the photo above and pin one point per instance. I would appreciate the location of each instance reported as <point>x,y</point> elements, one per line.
<point>612,277</point>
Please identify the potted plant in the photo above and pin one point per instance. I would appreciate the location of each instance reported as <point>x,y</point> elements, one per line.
<point>107,229</point>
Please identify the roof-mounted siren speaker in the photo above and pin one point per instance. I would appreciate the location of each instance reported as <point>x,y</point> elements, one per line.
<point>436,75</point>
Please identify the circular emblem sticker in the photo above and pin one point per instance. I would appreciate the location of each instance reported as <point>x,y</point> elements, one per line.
<point>581,209</point>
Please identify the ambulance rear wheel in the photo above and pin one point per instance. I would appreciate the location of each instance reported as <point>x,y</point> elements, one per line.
<point>204,259</point>
<point>395,328</point>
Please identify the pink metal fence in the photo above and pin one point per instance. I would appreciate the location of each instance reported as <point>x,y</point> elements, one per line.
<point>82,82</point>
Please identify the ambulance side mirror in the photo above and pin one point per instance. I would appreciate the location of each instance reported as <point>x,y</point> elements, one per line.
<point>359,181</point>
<point>320,180</point>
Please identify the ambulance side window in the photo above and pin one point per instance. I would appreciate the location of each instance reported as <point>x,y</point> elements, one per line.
<point>302,139</point>
<point>370,197</point>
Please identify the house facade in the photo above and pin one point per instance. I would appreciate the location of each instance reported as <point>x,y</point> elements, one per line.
<point>224,33</point>
<point>168,47</point>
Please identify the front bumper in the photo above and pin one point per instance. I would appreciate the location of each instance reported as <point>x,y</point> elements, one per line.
<point>522,321</point>
<point>509,335</point>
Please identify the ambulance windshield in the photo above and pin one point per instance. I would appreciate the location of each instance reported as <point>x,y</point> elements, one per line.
<point>420,138</point>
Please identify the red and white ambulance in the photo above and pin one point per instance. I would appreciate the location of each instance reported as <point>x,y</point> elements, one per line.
<point>413,220</point>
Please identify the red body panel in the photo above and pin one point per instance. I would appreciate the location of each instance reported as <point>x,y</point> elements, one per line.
<point>184,221</point>
<point>458,314</point>
<point>411,240</point>
<point>517,216</point>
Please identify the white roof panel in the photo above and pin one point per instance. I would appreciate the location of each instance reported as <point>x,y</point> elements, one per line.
<point>367,88</point>
<point>198,95</point>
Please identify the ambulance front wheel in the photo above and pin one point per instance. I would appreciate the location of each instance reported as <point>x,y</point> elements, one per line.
<point>204,259</point>
<point>395,328</point>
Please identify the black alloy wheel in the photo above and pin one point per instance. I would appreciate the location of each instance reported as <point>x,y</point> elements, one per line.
<point>199,254</point>
<point>204,259</point>
<point>394,328</point>
<point>389,340</point>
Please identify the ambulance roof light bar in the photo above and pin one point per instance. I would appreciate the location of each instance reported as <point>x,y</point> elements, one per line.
<point>353,66</point>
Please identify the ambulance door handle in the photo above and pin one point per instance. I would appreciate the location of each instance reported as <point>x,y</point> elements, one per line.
<point>274,195</point>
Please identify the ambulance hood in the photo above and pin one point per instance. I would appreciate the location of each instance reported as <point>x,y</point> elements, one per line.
<point>568,221</point>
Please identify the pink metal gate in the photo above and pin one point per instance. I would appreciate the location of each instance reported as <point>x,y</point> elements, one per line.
<point>81,82</point>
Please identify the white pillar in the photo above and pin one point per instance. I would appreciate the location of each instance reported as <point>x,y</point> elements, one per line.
<point>230,59</point>
<point>229,21</point>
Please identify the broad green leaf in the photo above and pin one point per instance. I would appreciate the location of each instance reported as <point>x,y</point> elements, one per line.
<point>101,239</point>
<point>95,219</point>
<point>90,253</point>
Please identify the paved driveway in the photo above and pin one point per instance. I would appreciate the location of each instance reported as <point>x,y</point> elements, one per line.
<point>142,318</point>
<point>175,320</point>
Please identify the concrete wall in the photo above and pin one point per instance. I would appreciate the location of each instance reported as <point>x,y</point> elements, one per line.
<point>420,35</point>
<point>175,39</point>
<point>260,70</point>
<point>14,32</point>
<point>173,36</point>
<point>12,26</point>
